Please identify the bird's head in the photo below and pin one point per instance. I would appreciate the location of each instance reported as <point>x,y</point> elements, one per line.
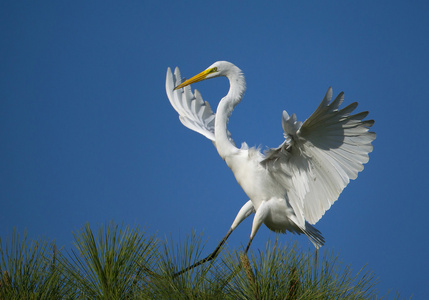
<point>219,68</point>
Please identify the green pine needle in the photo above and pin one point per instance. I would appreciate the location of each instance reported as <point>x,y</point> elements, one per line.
<point>117,262</point>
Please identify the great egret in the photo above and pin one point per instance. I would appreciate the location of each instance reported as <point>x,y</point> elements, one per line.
<point>290,187</point>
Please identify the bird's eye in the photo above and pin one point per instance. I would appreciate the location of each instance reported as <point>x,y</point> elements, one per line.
<point>212,70</point>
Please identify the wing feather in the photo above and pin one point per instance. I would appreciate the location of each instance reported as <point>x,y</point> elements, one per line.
<point>194,112</point>
<point>320,156</point>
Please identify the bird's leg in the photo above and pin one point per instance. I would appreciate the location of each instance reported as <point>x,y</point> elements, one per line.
<point>208,258</point>
<point>244,212</point>
<point>248,245</point>
<point>259,218</point>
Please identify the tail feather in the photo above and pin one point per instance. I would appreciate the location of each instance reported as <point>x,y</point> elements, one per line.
<point>314,235</point>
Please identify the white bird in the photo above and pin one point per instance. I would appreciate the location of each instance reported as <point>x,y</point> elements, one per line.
<point>290,187</point>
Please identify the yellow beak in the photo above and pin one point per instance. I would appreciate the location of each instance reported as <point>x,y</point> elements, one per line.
<point>196,78</point>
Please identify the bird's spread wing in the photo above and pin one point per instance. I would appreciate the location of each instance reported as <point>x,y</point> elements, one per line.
<point>194,112</point>
<point>320,156</point>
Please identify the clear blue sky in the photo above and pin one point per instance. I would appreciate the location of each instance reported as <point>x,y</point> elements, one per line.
<point>87,132</point>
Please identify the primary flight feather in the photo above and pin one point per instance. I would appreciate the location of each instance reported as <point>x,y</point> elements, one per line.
<point>290,187</point>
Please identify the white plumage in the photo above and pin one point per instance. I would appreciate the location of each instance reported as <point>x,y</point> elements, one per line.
<point>291,186</point>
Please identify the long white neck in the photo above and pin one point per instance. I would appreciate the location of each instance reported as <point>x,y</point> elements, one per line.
<point>236,90</point>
